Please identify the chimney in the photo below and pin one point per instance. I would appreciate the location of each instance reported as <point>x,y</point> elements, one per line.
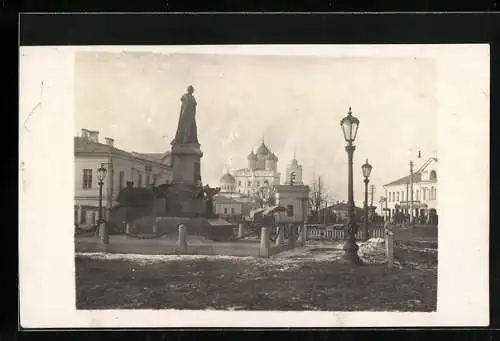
<point>85,133</point>
<point>93,136</point>
<point>110,141</point>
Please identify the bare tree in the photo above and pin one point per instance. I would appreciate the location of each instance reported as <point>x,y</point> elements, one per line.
<point>317,197</point>
<point>263,197</point>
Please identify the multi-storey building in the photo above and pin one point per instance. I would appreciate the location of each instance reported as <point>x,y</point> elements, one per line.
<point>143,169</point>
<point>425,191</point>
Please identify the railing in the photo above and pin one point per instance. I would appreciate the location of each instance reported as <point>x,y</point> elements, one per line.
<point>336,232</point>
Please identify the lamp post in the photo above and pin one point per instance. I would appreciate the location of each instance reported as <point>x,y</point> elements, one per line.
<point>350,126</point>
<point>411,194</point>
<point>103,233</point>
<point>367,169</point>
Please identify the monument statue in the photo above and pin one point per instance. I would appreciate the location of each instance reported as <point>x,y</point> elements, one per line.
<point>187,131</point>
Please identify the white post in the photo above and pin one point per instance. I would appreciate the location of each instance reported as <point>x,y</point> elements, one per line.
<point>241,230</point>
<point>182,242</point>
<point>264,242</point>
<point>389,245</point>
<point>281,236</point>
<point>302,237</point>
<point>128,228</point>
<point>155,227</point>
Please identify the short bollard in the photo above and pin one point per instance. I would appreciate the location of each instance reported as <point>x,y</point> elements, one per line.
<point>241,230</point>
<point>280,240</point>
<point>155,228</point>
<point>182,242</point>
<point>103,233</point>
<point>264,242</point>
<point>291,236</point>
<point>301,239</point>
<point>389,245</point>
<point>128,228</point>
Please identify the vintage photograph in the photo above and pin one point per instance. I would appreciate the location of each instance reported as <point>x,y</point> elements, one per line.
<point>255,181</point>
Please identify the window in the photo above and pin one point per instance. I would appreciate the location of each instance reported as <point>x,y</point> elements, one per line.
<point>416,192</point>
<point>435,193</point>
<point>397,196</point>
<point>87,179</point>
<point>225,210</point>
<point>121,179</point>
<point>83,216</point>
<point>147,181</point>
<point>432,175</point>
<point>249,183</point>
<point>139,180</point>
<point>148,168</point>
<point>93,218</point>
<point>424,193</point>
<point>289,210</point>
<point>232,210</point>
<point>239,183</point>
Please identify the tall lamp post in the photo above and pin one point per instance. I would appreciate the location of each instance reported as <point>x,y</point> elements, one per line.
<point>412,219</point>
<point>350,126</point>
<point>103,233</point>
<point>367,169</point>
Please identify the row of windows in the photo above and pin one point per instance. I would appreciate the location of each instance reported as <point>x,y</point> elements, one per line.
<point>87,179</point>
<point>427,194</point>
<point>257,183</point>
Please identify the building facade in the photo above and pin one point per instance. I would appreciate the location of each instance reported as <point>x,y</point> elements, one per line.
<point>260,172</point>
<point>142,169</point>
<point>425,192</point>
<point>295,199</point>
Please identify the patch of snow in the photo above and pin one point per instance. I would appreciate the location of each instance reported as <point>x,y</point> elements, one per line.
<point>145,259</point>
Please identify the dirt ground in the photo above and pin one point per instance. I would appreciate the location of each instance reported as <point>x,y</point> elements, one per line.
<point>308,278</point>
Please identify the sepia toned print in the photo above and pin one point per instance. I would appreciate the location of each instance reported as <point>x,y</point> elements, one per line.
<point>254,182</point>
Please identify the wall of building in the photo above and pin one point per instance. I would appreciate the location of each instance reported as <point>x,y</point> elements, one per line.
<point>297,197</point>
<point>87,200</point>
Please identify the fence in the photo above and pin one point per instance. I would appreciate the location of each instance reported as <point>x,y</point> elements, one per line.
<point>336,232</point>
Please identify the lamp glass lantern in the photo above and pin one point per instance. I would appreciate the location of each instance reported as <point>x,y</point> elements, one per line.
<point>101,172</point>
<point>367,169</point>
<point>349,126</point>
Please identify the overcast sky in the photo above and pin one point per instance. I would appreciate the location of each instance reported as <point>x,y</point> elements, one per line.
<point>290,101</point>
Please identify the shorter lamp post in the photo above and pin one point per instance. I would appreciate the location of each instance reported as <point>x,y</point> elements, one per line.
<point>367,169</point>
<point>349,126</point>
<point>103,233</point>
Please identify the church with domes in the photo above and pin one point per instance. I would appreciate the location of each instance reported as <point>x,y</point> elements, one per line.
<point>261,171</point>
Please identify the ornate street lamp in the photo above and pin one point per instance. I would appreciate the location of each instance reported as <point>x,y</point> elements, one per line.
<point>103,233</point>
<point>350,126</point>
<point>367,169</point>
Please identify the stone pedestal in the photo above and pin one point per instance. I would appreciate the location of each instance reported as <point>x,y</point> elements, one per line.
<point>186,164</point>
<point>264,242</point>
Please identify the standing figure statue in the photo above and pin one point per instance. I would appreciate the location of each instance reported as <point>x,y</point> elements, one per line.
<point>187,131</point>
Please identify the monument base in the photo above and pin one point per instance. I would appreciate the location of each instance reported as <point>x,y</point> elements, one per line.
<point>186,164</point>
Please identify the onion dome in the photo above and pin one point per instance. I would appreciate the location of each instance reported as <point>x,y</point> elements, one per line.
<point>263,150</point>
<point>252,156</point>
